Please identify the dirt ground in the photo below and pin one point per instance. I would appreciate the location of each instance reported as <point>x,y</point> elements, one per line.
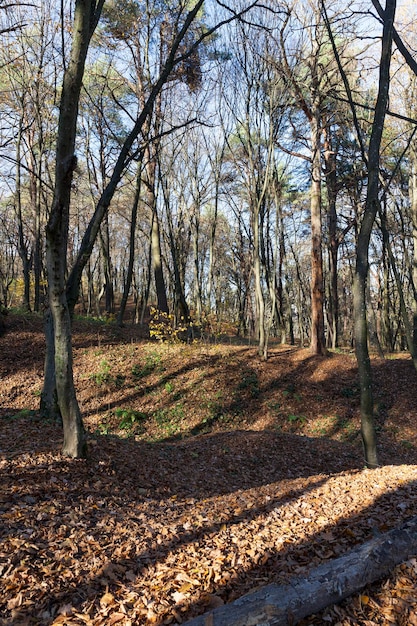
<point>210,473</point>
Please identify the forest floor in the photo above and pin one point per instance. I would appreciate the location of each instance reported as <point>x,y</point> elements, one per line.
<point>210,473</point>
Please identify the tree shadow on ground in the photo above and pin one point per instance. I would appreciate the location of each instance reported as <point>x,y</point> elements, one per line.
<point>290,392</point>
<point>141,493</point>
<point>54,509</point>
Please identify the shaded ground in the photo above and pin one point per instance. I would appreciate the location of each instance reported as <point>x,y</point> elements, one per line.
<point>210,473</point>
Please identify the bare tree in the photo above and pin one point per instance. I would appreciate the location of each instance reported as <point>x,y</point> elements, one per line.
<point>86,16</point>
<point>63,294</point>
<point>362,260</point>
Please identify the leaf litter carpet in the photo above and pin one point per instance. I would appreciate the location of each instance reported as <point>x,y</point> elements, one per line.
<point>156,531</point>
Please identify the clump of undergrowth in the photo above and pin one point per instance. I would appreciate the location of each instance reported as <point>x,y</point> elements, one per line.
<point>163,328</point>
<point>105,377</point>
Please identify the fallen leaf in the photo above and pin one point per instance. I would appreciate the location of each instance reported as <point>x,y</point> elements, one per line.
<point>130,575</point>
<point>114,618</point>
<point>66,610</point>
<point>107,599</point>
<point>178,597</point>
<point>15,602</point>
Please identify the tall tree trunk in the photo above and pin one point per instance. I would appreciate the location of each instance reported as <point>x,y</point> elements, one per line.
<point>313,114</point>
<point>86,14</point>
<point>408,328</point>
<point>107,265</point>
<point>182,310</point>
<point>217,171</point>
<point>413,207</point>
<point>387,335</point>
<point>362,252</point>
<point>35,175</point>
<point>157,267</point>
<point>142,302</point>
<point>49,401</point>
<point>271,276</point>
<point>198,299</point>
<point>333,243</point>
<point>149,178</point>
<point>318,345</point>
<point>37,257</point>
<point>124,159</point>
<point>132,239</point>
<point>259,295</point>
<point>22,245</point>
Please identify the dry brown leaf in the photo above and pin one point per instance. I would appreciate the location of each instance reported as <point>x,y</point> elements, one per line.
<point>14,603</point>
<point>107,599</point>
<point>66,610</point>
<point>178,597</point>
<point>130,575</point>
<point>114,618</point>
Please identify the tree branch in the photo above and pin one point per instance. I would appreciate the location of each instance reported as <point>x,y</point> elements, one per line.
<point>409,59</point>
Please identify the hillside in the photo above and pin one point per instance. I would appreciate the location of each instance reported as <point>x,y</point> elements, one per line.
<point>210,473</point>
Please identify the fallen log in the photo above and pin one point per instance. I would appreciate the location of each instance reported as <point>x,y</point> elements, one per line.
<point>327,584</point>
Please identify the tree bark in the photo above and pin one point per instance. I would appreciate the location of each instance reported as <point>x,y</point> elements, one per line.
<point>49,402</point>
<point>325,585</point>
<point>318,345</point>
<point>413,208</point>
<point>22,245</point>
<point>132,238</point>
<point>217,170</point>
<point>198,298</point>
<point>104,234</point>
<point>150,198</point>
<point>333,242</point>
<point>259,295</point>
<point>158,271</point>
<point>312,111</point>
<point>86,15</point>
<point>362,264</point>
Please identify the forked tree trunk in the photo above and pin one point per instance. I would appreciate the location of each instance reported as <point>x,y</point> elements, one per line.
<point>149,179</point>
<point>157,267</point>
<point>86,15</point>
<point>63,294</point>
